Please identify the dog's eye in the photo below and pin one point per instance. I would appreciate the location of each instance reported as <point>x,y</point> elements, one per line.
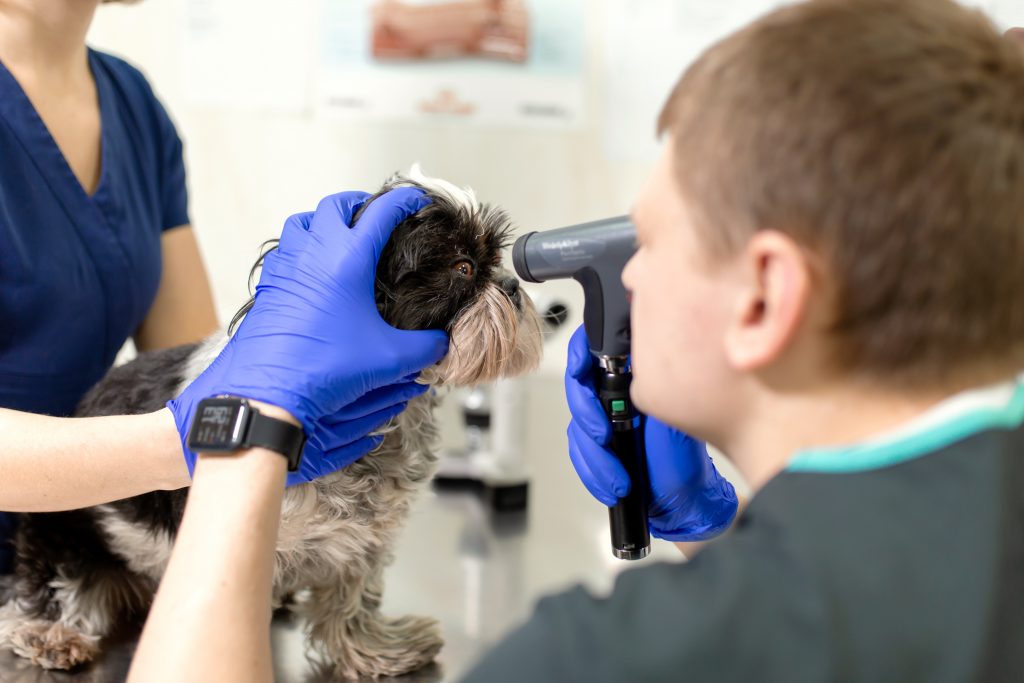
<point>464,268</point>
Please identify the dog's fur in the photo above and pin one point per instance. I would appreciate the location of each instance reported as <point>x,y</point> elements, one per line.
<point>80,573</point>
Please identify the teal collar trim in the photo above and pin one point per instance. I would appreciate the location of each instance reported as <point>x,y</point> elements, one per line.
<point>932,435</point>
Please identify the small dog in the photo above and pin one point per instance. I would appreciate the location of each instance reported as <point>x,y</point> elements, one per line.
<point>80,574</point>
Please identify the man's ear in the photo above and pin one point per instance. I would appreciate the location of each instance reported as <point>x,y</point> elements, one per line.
<point>771,303</point>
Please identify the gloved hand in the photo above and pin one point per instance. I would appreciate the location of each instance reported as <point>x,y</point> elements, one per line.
<point>314,342</point>
<point>342,438</point>
<point>690,501</point>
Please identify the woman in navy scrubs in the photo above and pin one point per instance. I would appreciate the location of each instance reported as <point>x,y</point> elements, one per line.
<point>95,242</point>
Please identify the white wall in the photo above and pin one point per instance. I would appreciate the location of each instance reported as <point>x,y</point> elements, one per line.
<point>248,170</point>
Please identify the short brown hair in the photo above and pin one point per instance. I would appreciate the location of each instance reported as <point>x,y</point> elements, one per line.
<point>888,137</point>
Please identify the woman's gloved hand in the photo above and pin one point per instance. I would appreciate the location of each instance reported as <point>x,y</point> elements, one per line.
<point>342,438</point>
<point>690,501</point>
<point>314,342</point>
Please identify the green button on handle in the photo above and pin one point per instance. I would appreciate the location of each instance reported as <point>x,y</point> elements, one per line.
<point>618,406</point>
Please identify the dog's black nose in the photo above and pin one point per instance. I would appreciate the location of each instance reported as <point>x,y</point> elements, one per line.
<point>510,286</point>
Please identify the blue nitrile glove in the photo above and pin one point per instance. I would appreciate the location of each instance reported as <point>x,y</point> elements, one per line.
<point>342,438</point>
<point>314,342</point>
<point>690,501</point>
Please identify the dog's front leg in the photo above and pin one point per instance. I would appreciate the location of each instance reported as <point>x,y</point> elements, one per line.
<point>60,625</point>
<point>345,625</point>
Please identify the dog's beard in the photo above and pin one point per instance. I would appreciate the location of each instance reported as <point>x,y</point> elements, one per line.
<point>490,338</point>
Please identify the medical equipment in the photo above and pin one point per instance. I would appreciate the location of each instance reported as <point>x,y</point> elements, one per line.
<point>493,462</point>
<point>594,255</point>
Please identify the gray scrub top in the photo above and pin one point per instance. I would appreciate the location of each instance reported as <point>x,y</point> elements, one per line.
<point>898,560</point>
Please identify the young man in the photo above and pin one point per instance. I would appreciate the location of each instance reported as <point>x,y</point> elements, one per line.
<point>828,288</point>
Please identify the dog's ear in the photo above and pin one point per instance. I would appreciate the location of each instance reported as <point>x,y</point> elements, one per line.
<point>396,179</point>
<point>265,248</point>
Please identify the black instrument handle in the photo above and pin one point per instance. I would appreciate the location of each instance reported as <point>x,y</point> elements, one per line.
<point>631,539</point>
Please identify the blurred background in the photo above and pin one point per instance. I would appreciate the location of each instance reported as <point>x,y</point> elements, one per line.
<point>281,103</point>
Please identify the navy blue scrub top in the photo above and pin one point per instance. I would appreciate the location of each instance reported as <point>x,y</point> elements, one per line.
<point>78,273</point>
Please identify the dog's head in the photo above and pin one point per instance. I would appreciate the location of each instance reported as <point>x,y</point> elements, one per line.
<point>441,269</point>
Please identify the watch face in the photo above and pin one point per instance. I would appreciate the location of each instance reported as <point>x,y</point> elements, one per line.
<point>218,425</point>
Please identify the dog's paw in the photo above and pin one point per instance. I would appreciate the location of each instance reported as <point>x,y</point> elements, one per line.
<point>387,647</point>
<point>53,646</point>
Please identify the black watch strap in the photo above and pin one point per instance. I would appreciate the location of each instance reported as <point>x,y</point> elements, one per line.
<point>276,435</point>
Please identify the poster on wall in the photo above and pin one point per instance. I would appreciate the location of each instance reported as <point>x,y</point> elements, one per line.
<point>504,62</point>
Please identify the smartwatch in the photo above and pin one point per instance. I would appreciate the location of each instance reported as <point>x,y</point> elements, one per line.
<point>228,423</point>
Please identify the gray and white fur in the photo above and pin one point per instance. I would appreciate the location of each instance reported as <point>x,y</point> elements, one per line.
<point>81,573</point>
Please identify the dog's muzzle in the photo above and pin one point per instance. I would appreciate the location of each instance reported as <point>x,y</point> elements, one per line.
<point>510,286</point>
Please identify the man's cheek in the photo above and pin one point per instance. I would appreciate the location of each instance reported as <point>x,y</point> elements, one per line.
<point>647,378</point>
<point>644,335</point>
<point>638,395</point>
<point>639,360</point>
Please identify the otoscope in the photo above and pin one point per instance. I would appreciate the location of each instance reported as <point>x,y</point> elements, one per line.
<point>594,255</point>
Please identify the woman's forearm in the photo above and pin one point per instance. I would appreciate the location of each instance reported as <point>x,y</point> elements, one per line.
<point>211,617</point>
<point>52,463</point>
